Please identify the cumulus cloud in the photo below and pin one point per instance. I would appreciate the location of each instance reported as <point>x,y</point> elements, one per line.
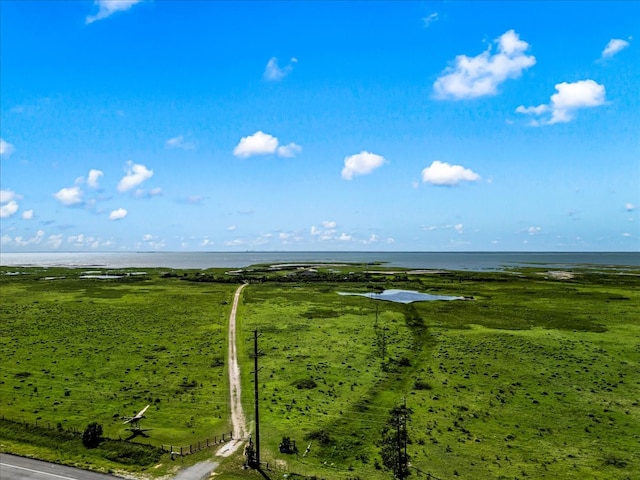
<point>7,195</point>
<point>20,241</point>
<point>569,98</point>
<point>273,72</point>
<point>54,241</point>
<point>533,230</point>
<point>441,173</point>
<point>69,196</point>
<point>261,143</point>
<point>8,209</point>
<point>344,237</point>
<point>613,47</point>
<point>118,214</point>
<point>6,149</point>
<point>106,8</point>
<point>179,142</point>
<point>361,163</point>
<point>471,77</point>
<point>27,214</point>
<point>289,151</point>
<point>94,176</point>
<point>136,174</point>
<point>329,224</point>
<point>629,207</point>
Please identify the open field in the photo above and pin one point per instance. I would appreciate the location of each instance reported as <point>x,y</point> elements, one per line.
<point>80,350</point>
<point>537,377</point>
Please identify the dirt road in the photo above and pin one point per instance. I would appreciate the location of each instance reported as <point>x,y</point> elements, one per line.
<point>237,414</point>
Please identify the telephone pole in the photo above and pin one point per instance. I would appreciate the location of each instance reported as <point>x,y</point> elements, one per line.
<point>255,390</point>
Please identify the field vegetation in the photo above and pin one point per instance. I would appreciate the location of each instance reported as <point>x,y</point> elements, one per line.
<point>535,375</point>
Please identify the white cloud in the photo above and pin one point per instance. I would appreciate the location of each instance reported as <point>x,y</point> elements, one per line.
<point>205,242</point>
<point>235,243</point>
<point>441,173</point>
<point>24,242</point>
<point>7,195</point>
<point>627,234</point>
<point>179,142</point>
<point>259,143</point>
<point>69,196</point>
<point>273,72</point>
<point>94,176</point>
<point>569,98</point>
<point>118,214</point>
<point>27,214</point>
<point>6,149</point>
<point>344,237</point>
<point>329,224</point>
<point>361,163</point>
<point>534,230</point>
<point>613,47</point>
<point>8,209</point>
<point>231,228</point>
<point>429,19</point>
<point>471,77</point>
<point>629,207</point>
<point>459,228</point>
<point>154,192</point>
<point>106,8</point>
<point>289,151</point>
<point>154,242</point>
<point>136,174</point>
<point>54,241</point>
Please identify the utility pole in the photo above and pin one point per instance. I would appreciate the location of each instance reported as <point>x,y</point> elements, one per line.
<point>405,459</point>
<point>255,380</point>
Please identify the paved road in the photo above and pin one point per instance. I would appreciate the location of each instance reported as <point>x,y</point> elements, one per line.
<point>19,468</point>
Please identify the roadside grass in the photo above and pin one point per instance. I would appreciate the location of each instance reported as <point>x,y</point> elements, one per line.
<point>533,378</point>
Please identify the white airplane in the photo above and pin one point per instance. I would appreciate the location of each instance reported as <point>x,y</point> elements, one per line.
<point>134,421</point>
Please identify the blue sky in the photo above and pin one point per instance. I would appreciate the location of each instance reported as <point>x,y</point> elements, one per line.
<point>230,126</point>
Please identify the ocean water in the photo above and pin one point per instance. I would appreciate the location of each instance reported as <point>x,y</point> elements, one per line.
<point>473,261</point>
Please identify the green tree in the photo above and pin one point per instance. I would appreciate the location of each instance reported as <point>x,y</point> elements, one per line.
<point>92,435</point>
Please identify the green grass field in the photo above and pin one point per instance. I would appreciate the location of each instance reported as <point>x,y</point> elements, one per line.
<point>533,378</point>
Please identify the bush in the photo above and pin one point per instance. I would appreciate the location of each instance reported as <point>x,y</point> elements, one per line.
<point>305,383</point>
<point>422,385</point>
<point>92,435</point>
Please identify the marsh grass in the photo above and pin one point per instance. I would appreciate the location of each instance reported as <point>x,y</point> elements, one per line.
<point>80,350</point>
<point>533,378</point>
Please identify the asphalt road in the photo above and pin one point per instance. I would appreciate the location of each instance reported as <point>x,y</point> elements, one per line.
<point>19,468</point>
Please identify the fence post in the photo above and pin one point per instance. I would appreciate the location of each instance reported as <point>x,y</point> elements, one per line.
<point>180,451</point>
<point>223,437</point>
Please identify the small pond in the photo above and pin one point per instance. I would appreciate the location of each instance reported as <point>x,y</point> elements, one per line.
<point>404,296</point>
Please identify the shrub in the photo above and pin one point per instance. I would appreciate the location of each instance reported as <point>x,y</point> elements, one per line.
<point>92,435</point>
<point>305,383</point>
<point>422,385</point>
